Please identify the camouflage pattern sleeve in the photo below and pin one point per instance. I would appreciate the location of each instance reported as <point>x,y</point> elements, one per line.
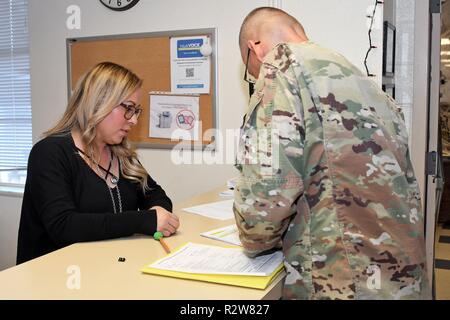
<point>270,153</point>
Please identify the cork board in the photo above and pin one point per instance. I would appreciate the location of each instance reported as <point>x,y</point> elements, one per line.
<point>147,55</point>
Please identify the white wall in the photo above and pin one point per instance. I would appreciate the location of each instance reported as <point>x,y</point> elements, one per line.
<point>334,23</point>
<point>342,25</point>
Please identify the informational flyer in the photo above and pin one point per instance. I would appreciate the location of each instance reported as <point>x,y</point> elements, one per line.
<point>174,114</point>
<point>190,71</point>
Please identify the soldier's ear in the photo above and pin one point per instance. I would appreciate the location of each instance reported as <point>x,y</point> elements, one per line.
<point>257,48</point>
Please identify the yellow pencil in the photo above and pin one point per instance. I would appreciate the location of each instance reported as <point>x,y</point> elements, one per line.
<point>165,246</point>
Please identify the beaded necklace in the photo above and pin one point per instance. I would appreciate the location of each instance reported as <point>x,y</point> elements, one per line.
<point>114,180</point>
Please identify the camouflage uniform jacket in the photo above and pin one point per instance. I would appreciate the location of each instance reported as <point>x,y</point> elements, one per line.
<point>325,174</point>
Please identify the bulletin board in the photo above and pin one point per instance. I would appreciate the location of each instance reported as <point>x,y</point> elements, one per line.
<point>147,55</point>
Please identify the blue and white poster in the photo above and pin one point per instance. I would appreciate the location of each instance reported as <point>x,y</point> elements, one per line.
<point>190,69</point>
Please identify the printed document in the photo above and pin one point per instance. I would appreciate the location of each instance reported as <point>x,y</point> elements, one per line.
<point>174,117</point>
<point>204,259</point>
<point>228,234</point>
<point>190,70</point>
<point>222,210</point>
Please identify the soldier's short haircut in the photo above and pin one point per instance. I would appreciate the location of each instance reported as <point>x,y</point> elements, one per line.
<point>245,31</point>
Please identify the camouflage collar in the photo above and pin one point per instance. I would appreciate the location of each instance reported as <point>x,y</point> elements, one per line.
<point>255,99</point>
<point>281,55</point>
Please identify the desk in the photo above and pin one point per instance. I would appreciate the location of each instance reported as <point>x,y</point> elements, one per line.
<point>103,277</point>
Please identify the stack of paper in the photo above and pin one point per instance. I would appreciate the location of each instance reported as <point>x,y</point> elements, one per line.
<point>222,210</point>
<point>226,193</point>
<point>231,183</point>
<point>228,234</point>
<point>221,265</point>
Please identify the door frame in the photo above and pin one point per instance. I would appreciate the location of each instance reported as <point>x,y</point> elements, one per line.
<point>425,117</point>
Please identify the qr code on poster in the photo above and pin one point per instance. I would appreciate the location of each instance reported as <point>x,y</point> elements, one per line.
<point>189,72</point>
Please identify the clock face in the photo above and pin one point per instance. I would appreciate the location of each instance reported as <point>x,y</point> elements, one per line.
<point>119,5</point>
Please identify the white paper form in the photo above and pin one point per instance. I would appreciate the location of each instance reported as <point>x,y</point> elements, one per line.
<point>228,234</point>
<point>199,258</point>
<point>190,71</point>
<point>221,210</point>
<point>174,116</point>
<point>226,193</point>
<point>231,183</point>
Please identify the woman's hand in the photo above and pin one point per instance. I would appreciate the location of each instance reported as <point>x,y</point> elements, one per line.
<point>167,222</point>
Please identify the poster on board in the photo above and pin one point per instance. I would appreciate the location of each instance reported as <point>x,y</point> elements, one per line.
<point>190,71</point>
<point>174,116</point>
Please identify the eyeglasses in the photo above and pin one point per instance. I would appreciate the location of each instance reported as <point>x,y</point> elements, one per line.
<point>131,110</point>
<point>251,82</point>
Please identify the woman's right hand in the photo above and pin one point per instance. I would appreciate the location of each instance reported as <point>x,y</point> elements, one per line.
<point>167,222</point>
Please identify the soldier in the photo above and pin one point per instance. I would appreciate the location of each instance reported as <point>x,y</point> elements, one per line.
<point>325,172</point>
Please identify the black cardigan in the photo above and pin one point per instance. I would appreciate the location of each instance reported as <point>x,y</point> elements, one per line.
<point>65,202</point>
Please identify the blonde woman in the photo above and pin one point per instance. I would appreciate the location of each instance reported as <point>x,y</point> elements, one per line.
<point>84,182</point>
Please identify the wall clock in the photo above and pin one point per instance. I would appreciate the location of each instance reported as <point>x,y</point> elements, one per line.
<point>119,5</point>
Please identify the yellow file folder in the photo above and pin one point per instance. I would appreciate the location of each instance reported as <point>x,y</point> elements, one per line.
<point>249,281</point>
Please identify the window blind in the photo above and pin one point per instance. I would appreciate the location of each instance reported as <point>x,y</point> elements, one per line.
<point>15,102</point>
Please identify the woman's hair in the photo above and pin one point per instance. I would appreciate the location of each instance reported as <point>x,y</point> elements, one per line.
<point>96,94</point>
